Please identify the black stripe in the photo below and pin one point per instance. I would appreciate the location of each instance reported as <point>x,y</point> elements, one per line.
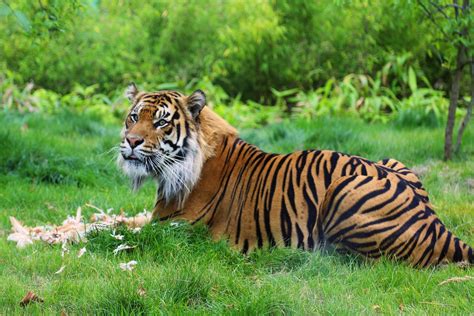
<point>356,206</point>
<point>285,223</point>
<point>400,188</point>
<point>421,215</point>
<point>299,235</point>
<point>312,217</point>
<point>245,248</point>
<point>330,205</point>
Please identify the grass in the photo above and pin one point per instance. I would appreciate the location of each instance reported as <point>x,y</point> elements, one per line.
<point>50,165</point>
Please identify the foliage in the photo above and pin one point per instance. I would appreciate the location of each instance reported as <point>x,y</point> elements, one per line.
<point>394,93</point>
<point>377,60</point>
<point>454,23</point>
<point>80,100</point>
<point>450,27</point>
<point>371,99</point>
<point>242,46</point>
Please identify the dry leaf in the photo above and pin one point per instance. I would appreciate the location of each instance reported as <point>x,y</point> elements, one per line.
<point>457,279</point>
<point>121,248</point>
<point>141,291</point>
<point>30,297</point>
<point>60,270</point>
<point>20,235</point>
<point>81,252</point>
<point>377,308</point>
<point>401,307</point>
<point>64,249</point>
<point>128,266</point>
<point>50,206</point>
<point>118,237</point>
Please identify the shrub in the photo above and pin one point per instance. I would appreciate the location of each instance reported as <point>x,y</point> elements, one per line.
<point>245,47</point>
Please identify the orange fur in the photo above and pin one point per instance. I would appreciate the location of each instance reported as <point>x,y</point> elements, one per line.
<point>306,199</point>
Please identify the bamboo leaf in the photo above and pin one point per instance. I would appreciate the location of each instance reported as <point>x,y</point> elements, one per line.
<point>412,79</point>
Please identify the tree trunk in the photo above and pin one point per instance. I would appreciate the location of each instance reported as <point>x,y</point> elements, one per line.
<point>467,118</point>
<point>456,83</point>
<point>453,103</point>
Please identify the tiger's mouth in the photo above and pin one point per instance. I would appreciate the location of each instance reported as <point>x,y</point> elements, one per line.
<point>138,163</point>
<point>132,157</point>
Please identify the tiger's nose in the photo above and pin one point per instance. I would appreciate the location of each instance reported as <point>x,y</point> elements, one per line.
<point>134,141</point>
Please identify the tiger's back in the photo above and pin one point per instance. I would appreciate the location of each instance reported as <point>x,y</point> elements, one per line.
<point>309,198</point>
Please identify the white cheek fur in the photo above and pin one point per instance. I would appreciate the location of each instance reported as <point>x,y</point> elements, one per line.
<point>175,180</point>
<point>178,179</point>
<point>136,172</point>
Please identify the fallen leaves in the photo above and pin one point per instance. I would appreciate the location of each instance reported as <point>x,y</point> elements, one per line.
<point>29,298</point>
<point>64,249</point>
<point>141,291</point>
<point>74,229</point>
<point>81,252</point>
<point>121,248</point>
<point>377,308</point>
<point>20,235</point>
<point>118,237</point>
<point>60,270</point>
<point>128,266</point>
<point>457,280</point>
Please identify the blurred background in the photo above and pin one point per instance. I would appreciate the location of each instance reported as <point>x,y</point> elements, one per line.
<point>258,61</point>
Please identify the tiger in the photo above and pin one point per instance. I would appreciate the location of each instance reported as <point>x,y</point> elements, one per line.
<point>205,173</point>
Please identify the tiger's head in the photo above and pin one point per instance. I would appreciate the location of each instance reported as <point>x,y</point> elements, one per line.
<point>161,139</point>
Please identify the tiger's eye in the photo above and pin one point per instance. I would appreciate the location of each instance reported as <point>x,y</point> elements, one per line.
<point>160,123</point>
<point>134,117</point>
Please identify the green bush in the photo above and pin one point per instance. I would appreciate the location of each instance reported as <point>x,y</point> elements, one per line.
<point>246,47</point>
<point>371,59</point>
<point>355,95</point>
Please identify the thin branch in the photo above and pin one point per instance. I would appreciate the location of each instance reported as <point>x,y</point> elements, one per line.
<point>466,62</point>
<point>11,9</point>
<point>429,14</point>
<point>455,6</point>
<point>440,9</point>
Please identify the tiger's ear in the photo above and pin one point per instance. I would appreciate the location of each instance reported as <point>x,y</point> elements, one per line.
<point>196,102</point>
<point>131,91</point>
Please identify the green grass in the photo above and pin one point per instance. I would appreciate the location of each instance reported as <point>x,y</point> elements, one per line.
<point>50,165</point>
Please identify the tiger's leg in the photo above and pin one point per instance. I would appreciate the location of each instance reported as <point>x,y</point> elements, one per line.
<point>384,216</point>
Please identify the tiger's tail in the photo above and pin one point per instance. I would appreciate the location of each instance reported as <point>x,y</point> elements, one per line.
<point>449,248</point>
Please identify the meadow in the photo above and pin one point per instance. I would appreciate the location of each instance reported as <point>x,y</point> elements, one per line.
<point>52,163</point>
